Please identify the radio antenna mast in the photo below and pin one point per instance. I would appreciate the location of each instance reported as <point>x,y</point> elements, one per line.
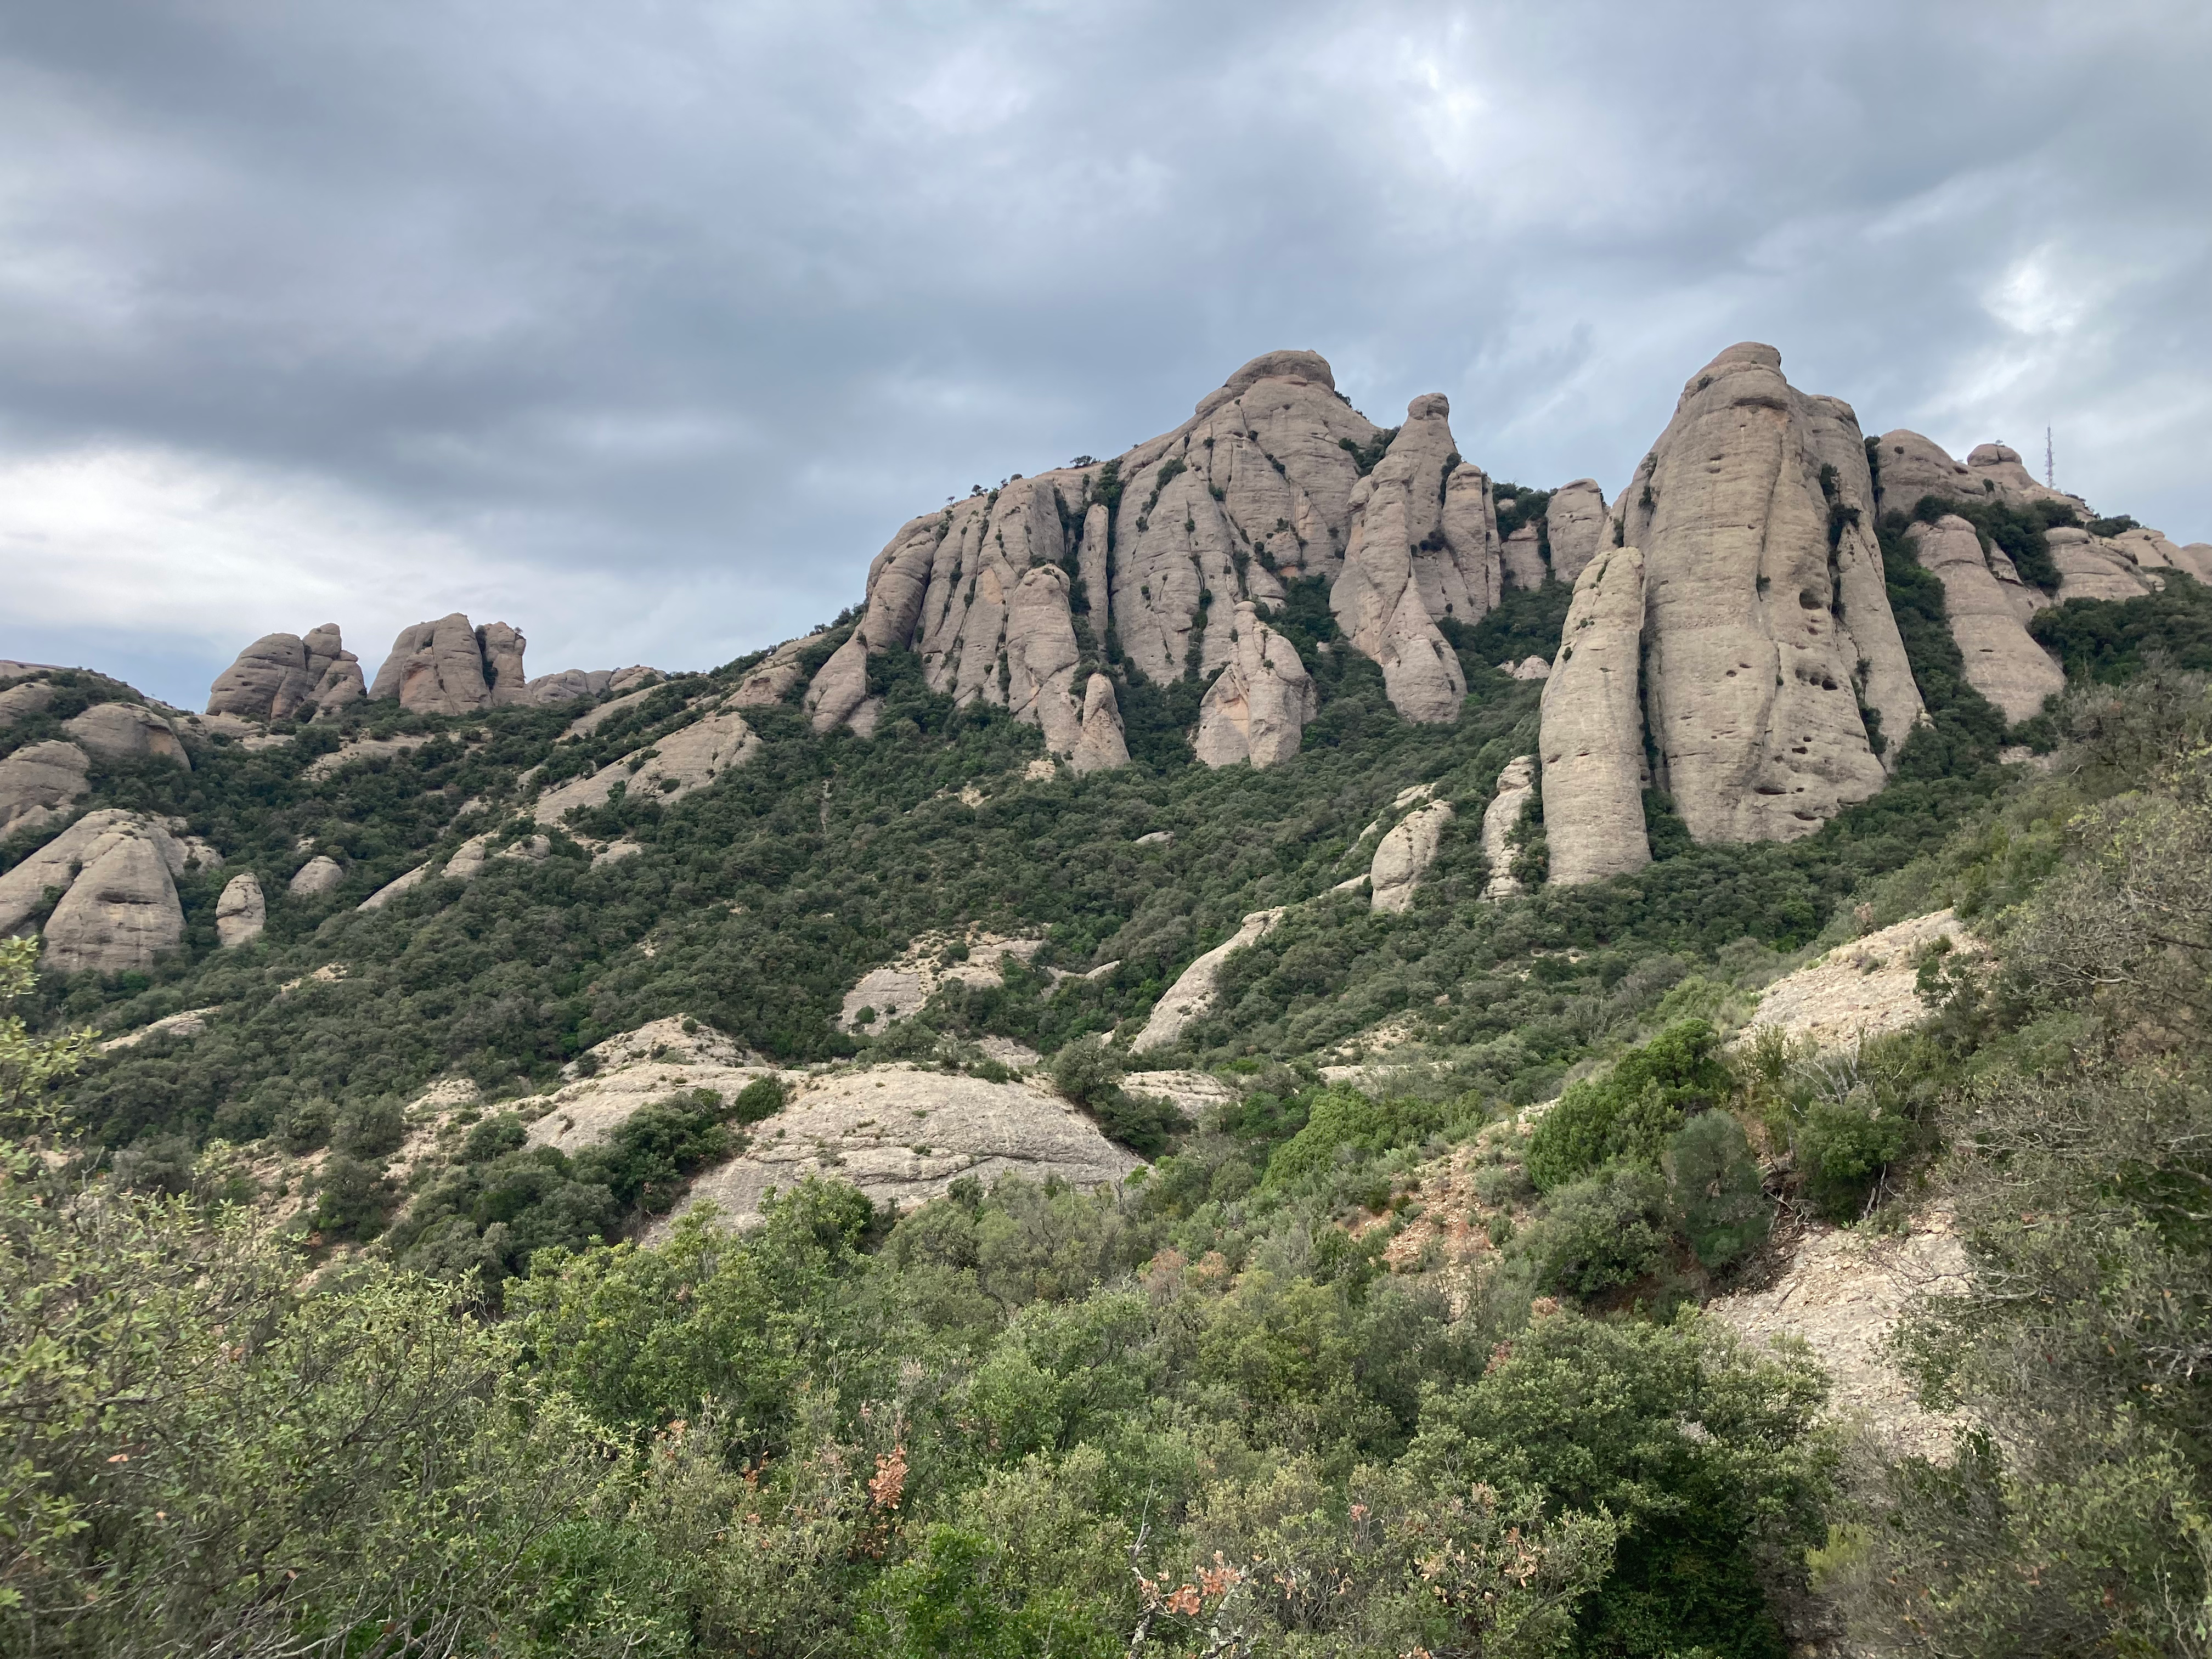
<point>2050,468</point>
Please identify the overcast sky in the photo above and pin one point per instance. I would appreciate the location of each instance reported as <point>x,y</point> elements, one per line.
<point>642,326</point>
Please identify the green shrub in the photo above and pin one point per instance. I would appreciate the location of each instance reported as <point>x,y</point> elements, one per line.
<point>1716,1185</point>
<point>764,1097</point>
<point>1844,1146</point>
<point>1600,1234</point>
<point>1629,1113</point>
<point>1343,1126</point>
<point>370,1129</point>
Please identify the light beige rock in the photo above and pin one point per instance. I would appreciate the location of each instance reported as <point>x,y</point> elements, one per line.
<point>1404,855</point>
<point>392,890</point>
<point>119,915</point>
<point>1522,555</point>
<point>1529,668</point>
<point>1470,530</point>
<point>1868,987</point>
<point>1576,524</point>
<point>127,731</point>
<point>362,749</point>
<point>840,685</point>
<point>1091,566</point>
<point>1382,602</point>
<point>1192,994</point>
<point>189,1024</point>
<point>635,1069</point>
<point>436,668</point>
<point>903,1136</point>
<point>2002,662</point>
<point>38,781</point>
<point>2096,568</point>
<point>1258,707</point>
<point>320,875</point>
<point>20,702</point>
<point>592,719</point>
<point>269,675</point>
<point>773,679</point>
<point>241,913</point>
<point>57,864</point>
<point>341,684</point>
<point>1753,679</point>
<point>1516,784</point>
<point>1039,644</point>
<point>501,648</point>
<point>1592,738</point>
<point>898,990</point>
<point>1104,745</point>
<point>632,679</point>
<point>666,770</point>
<point>1842,1291</point>
<point>1913,466</point>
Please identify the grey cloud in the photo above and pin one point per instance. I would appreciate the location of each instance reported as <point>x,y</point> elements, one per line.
<point>698,302</point>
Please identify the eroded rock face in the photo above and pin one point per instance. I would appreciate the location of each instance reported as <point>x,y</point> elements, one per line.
<point>2101,567</point>
<point>1102,743</point>
<point>2002,661</point>
<point>898,990</point>
<point>1757,628</point>
<point>320,875</point>
<point>1165,542</point>
<point>1192,994</point>
<point>21,702</point>
<point>772,680</point>
<point>1913,466</point>
<point>686,759</point>
<point>1577,525</point>
<point>120,912</point>
<point>1522,555</point>
<point>127,731</point>
<point>1404,856</point>
<point>1516,784</point>
<point>241,913</point>
<point>38,781</point>
<point>903,1136</point>
<point>57,864</point>
<point>1396,557</point>
<point>501,648</point>
<point>438,668</point>
<point>1592,738</point>
<point>279,674</point>
<point>1257,710</point>
<point>1041,658</point>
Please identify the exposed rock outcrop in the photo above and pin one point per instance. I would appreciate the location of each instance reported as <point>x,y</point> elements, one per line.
<point>1766,615</point>
<point>2100,566</point>
<point>501,646</point>
<point>1192,994</point>
<point>666,770</point>
<point>241,913</point>
<point>2002,662</point>
<point>1522,555</point>
<point>38,781</point>
<point>1575,523</point>
<point>1592,737</point>
<point>1382,603</point>
<point>320,875</point>
<point>772,680</point>
<point>1258,707</point>
<point>1404,855</point>
<point>452,667</point>
<point>279,673</point>
<point>903,1136</point>
<point>573,684</point>
<point>898,990</point>
<point>127,731</point>
<point>1866,987</point>
<point>20,702</point>
<point>1103,743</point>
<point>1516,784</point>
<point>119,910</point>
<point>1256,488</point>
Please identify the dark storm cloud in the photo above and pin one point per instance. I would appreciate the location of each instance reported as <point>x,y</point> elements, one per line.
<point>643,326</point>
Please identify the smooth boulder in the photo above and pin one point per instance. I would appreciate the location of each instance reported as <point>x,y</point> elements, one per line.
<point>128,731</point>
<point>1592,727</point>
<point>2003,660</point>
<point>1403,856</point>
<point>1257,708</point>
<point>241,913</point>
<point>120,913</point>
<point>1515,784</point>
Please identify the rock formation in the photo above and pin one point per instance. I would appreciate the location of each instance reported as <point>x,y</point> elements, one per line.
<point>1168,545</point>
<point>119,908</point>
<point>241,913</point>
<point>1104,745</point>
<point>320,875</point>
<point>1192,994</point>
<point>1767,616</point>
<point>1257,707</point>
<point>21,702</point>
<point>572,684</point>
<point>38,781</point>
<point>1523,556</point>
<point>1576,524</point>
<point>1404,856</point>
<point>278,673</point>
<point>501,648</point>
<point>127,731</point>
<point>1592,737</point>
<point>772,680</point>
<point>1987,612</point>
<point>1382,605</point>
<point>1516,784</point>
<point>665,769</point>
<point>437,668</point>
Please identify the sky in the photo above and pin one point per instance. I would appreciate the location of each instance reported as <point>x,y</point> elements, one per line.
<point>641,327</point>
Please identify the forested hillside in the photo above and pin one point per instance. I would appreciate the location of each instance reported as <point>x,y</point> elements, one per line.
<point>336,1324</point>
